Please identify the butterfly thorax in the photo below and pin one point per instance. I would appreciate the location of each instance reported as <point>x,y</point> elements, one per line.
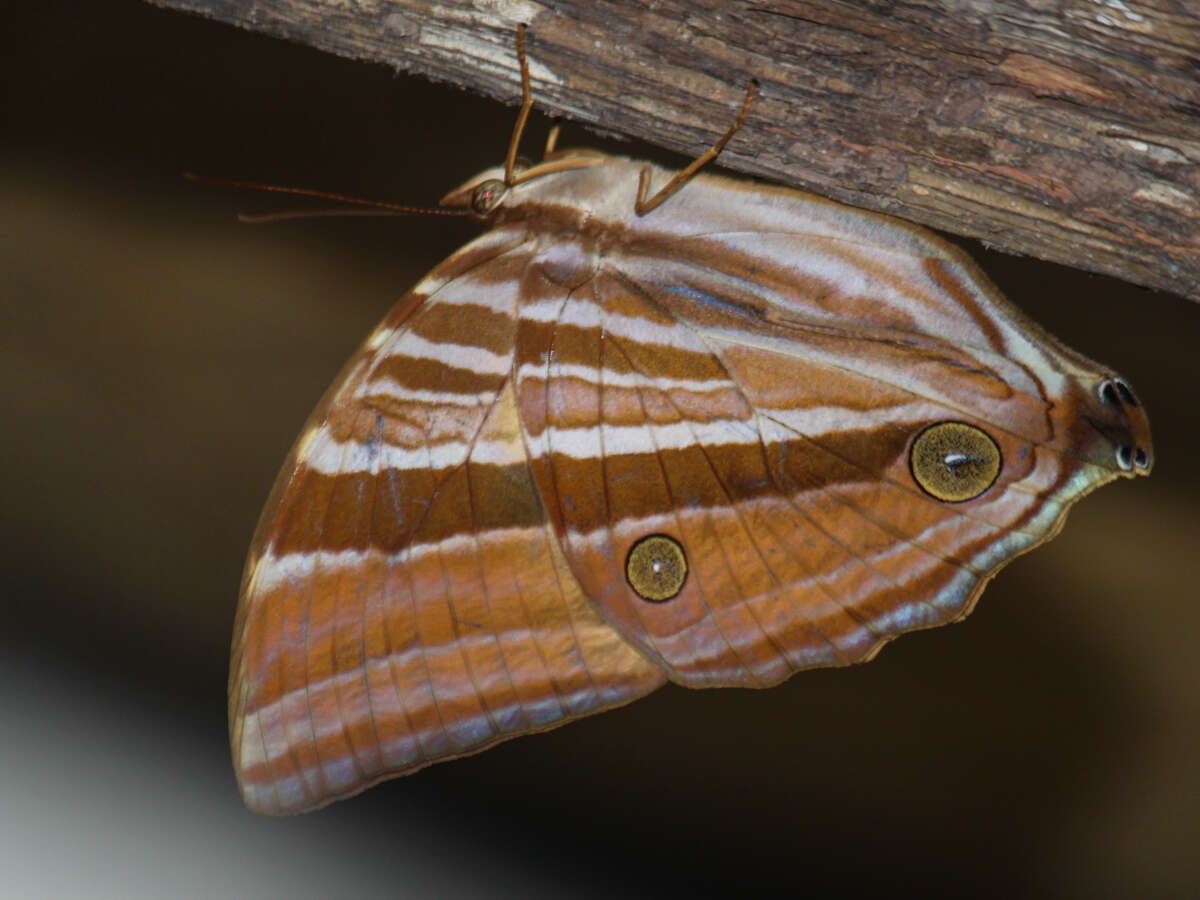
<point>594,198</point>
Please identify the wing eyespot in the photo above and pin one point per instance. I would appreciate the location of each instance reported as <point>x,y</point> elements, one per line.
<point>954,461</point>
<point>1115,391</point>
<point>656,568</point>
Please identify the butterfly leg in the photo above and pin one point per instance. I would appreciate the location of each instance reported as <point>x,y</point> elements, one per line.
<point>510,161</point>
<point>551,142</point>
<point>643,206</point>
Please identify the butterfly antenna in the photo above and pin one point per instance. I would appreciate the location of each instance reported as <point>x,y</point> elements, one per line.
<point>378,207</point>
<point>510,161</point>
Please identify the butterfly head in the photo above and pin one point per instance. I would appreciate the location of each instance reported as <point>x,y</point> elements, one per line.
<point>489,191</point>
<point>487,195</point>
<point>482,195</point>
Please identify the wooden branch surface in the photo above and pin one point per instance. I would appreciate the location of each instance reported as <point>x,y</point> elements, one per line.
<point>1062,129</point>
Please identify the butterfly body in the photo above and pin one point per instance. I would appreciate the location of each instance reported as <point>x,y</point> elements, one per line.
<point>742,374</point>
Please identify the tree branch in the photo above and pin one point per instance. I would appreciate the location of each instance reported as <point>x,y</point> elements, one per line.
<point>1063,129</point>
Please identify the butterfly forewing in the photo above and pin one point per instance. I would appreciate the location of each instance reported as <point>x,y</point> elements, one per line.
<point>405,599</point>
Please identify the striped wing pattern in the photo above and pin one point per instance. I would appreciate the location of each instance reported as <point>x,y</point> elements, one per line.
<point>405,600</point>
<point>769,433</point>
<point>442,562</point>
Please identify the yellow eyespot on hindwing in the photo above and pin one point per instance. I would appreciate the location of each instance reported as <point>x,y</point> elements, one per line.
<point>954,461</point>
<point>656,568</point>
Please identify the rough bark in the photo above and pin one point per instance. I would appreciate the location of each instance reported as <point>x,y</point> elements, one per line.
<point>1063,129</point>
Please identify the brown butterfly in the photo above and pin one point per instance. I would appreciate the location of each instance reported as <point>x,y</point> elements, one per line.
<point>617,441</point>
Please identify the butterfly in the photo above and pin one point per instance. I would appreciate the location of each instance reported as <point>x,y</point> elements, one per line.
<point>646,428</point>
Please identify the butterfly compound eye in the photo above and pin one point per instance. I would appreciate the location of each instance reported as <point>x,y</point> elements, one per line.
<point>656,568</point>
<point>954,461</point>
<point>487,196</point>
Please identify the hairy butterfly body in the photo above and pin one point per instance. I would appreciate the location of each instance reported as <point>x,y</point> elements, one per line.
<point>612,443</point>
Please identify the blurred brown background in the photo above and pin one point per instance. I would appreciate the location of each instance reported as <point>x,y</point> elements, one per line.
<point>158,359</point>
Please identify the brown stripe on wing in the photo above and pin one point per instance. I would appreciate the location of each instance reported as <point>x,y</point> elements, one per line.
<point>328,509</point>
<point>476,324</point>
<point>432,375</point>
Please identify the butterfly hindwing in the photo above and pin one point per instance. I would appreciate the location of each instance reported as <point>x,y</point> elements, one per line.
<point>754,395</point>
